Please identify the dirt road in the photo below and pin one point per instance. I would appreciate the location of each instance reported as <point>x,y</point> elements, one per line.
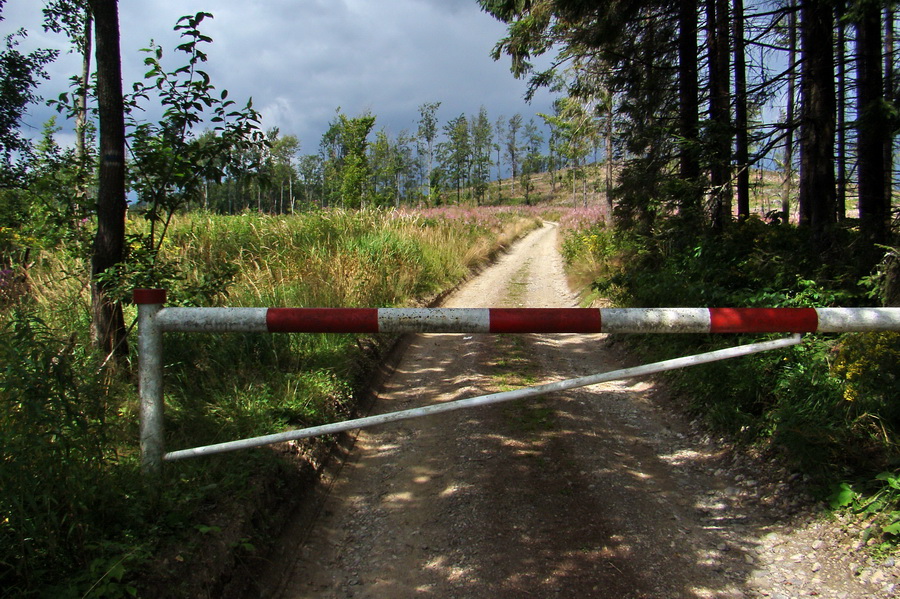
<point>600,492</point>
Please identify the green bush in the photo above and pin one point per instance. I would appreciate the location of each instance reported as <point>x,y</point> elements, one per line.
<point>54,449</point>
<point>830,403</point>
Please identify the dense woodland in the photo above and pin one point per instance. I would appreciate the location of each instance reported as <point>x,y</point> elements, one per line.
<point>730,153</point>
<point>699,93</point>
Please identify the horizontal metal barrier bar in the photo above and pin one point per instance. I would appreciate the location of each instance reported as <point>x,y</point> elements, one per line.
<point>155,319</point>
<point>528,320</point>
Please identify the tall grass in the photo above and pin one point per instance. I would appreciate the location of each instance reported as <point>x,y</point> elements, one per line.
<point>76,516</point>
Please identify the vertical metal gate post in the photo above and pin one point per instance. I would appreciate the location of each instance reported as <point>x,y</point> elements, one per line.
<point>150,388</point>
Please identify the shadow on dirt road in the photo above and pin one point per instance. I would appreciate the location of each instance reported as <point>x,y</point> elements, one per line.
<point>598,492</point>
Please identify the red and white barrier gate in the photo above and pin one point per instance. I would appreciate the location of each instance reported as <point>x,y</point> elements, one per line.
<point>154,320</point>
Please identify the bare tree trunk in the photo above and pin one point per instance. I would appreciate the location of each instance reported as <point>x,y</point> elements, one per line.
<point>719,109</point>
<point>551,161</point>
<point>889,94</point>
<point>575,185</point>
<point>871,139</point>
<point>499,129</point>
<point>81,190</point>
<point>742,150</point>
<point>817,189</point>
<point>688,108</point>
<point>107,323</point>
<point>584,190</point>
<point>841,199</point>
<point>789,116</point>
<point>609,157</point>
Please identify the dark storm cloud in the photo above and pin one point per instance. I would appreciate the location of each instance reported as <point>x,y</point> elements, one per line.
<point>301,59</point>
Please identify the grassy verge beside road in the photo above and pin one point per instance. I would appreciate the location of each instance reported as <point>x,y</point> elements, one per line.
<point>77,519</point>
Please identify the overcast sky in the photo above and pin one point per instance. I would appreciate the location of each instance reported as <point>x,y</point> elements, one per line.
<point>301,59</point>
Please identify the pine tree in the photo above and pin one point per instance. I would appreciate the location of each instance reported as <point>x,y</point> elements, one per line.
<point>482,143</point>
<point>513,148</point>
<point>428,130</point>
<point>456,153</point>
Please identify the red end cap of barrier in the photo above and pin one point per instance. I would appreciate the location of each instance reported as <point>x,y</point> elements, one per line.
<point>545,320</point>
<point>763,320</point>
<point>322,320</point>
<point>149,296</point>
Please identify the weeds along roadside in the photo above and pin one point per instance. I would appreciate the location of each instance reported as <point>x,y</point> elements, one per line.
<point>76,517</point>
<point>829,405</point>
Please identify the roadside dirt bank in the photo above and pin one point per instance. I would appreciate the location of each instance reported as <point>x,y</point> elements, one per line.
<point>598,492</point>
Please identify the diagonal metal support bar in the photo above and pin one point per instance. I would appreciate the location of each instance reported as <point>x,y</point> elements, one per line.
<point>484,400</point>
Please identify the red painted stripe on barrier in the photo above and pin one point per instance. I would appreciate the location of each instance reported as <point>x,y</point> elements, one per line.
<point>545,320</point>
<point>322,320</point>
<point>763,320</point>
<point>149,296</point>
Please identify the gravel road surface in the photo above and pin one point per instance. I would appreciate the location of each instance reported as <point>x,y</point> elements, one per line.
<point>600,492</point>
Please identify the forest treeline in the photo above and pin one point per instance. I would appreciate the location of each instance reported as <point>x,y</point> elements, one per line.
<point>466,158</point>
<point>236,166</point>
<point>697,92</point>
<point>682,100</point>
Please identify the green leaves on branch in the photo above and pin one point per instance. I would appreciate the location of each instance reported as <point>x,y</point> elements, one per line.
<point>149,266</point>
<point>171,163</point>
<point>20,75</point>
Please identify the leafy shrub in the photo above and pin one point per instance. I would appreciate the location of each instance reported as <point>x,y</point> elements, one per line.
<point>54,446</point>
<point>869,364</point>
<point>831,402</point>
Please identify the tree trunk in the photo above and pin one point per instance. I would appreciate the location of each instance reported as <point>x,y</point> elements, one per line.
<point>789,116</point>
<point>107,324</point>
<point>584,201</point>
<point>81,190</point>
<point>719,109</point>
<point>499,174</point>
<point>873,213</point>
<point>817,190</point>
<point>609,157</point>
<point>551,163</point>
<point>889,95</point>
<point>575,185</point>
<point>742,149</point>
<point>841,199</point>
<point>688,109</point>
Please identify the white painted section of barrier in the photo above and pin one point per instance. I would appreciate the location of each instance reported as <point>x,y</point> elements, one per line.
<point>434,320</point>
<point>213,320</point>
<point>652,320</point>
<point>841,320</point>
<point>150,383</point>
